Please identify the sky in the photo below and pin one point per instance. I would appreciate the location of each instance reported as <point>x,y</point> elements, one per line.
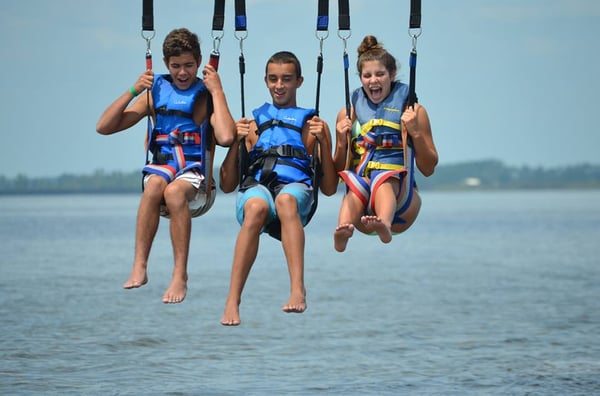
<point>511,80</point>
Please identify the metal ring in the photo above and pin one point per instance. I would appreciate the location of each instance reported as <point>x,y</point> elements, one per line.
<point>322,36</point>
<point>214,37</point>
<point>148,37</point>
<point>240,37</point>
<point>346,37</point>
<point>414,35</point>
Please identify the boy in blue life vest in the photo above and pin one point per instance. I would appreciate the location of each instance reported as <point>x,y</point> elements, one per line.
<point>379,144</point>
<point>189,116</point>
<point>277,185</point>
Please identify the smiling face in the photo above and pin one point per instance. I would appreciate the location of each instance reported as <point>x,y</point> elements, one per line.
<point>282,82</point>
<point>376,80</point>
<point>183,69</point>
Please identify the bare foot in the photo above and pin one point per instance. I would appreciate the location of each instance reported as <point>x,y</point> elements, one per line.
<point>296,303</point>
<point>138,277</point>
<point>176,291</point>
<point>231,315</point>
<point>374,223</point>
<point>342,233</point>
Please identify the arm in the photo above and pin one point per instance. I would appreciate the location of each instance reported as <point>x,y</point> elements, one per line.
<point>230,168</point>
<point>119,115</point>
<point>319,131</point>
<point>416,123</point>
<point>343,133</point>
<point>221,120</point>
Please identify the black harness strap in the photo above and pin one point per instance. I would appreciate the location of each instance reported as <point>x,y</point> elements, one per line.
<point>241,26</point>
<point>148,34</point>
<point>344,25</point>
<point>272,123</point>
<point>344,15</point>
<point>164,111</point>
<point>322,26</point>
<point>217,32</point>
<point>415,14</point>
<point>283,150</point>
<point>315,164</point>
<point>414,31</point>
<point>147,15</point>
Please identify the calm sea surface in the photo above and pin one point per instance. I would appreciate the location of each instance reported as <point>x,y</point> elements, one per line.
<point>489,293</point>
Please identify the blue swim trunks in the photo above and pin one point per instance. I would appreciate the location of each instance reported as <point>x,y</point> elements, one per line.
<point>300,191</point>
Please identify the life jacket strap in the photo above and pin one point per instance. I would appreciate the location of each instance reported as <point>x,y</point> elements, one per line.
<point>164,111</point>
<point>369,125</point>
<point>284,150</point>
<point>374,165</point>
<point>163,158</point>
<point>273,123</point>
<point>177,137</point>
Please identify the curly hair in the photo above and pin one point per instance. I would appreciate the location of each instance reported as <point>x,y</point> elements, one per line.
<point>179,41</point>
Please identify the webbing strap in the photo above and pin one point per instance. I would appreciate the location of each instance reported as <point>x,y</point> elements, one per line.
<point>344,24</point>
<point>148,26</point>
<point>148,15</point>
<point>218,15</point>
<point>367,126</point>
<point>273,123</point>
<point>240,15</point>
<point>322,26</point>
<point>415,14</point>
<point>217,32</point>
<point>164,111</point>
<point>414,28</point>
<point>241,26</point>
<point>344,15</point>
<point>323,15</point>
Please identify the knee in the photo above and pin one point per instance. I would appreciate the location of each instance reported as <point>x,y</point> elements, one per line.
<point>174,196</point>
<point>286,205</point>
<point>256,212</point>
<point>154,189</point>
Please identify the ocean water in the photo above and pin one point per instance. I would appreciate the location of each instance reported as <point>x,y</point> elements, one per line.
<point>489,293</point>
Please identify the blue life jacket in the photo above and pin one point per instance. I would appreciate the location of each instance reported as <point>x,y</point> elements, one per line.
<point>177,143</point>
<point>279,156</point>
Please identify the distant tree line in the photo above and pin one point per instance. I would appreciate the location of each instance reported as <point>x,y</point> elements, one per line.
<point>488,174</point>
<point>493,174</point>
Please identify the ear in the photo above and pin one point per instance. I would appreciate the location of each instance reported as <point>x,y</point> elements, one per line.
<point>166,60</point>
<point>199,61</point>
<point>300,80</point>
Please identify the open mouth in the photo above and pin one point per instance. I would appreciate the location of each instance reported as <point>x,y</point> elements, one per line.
<point>376,93</point>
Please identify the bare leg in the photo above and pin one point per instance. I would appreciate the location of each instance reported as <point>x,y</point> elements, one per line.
<point>246,248</point>
<point>147,221</point>
<point>374,223</point>
<point>177,196</point>
<point>350,212</point>
<point>292,239</point>
<point>385,206</point>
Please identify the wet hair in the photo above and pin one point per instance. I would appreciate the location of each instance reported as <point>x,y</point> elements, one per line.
<point>179,41</point>
<point>372,50</point>
<point>282,57</point>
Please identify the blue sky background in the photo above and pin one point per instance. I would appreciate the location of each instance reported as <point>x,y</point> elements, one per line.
<point>514,80</point>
